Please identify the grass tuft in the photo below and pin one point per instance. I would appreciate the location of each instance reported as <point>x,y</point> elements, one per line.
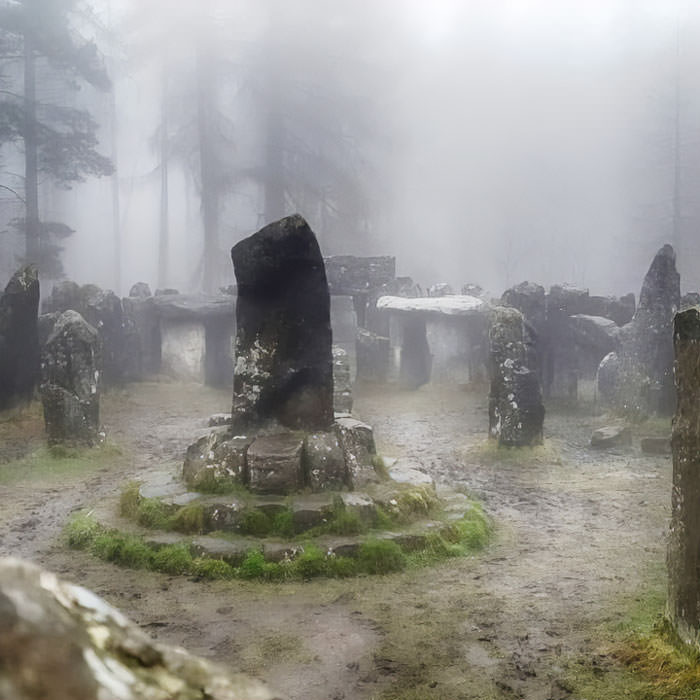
<point>380,557</point>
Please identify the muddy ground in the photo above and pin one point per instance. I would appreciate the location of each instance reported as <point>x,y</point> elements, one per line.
<point>578,532</point>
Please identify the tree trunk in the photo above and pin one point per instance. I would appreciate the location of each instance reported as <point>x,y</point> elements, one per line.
<point>33,243</point>
<point>164,227</point>
<point>684,541</point>
<point>274,164</point>
<point>116,205</point>
<point>208,165</point>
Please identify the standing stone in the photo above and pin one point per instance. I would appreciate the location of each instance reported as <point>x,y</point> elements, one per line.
<point>70,388</point>
<point>659,300</point>
<point>19,338</point>
<point>642,375</point>
<point>373,356</point>
<point>283,372</point>
<point>103,311</point>
<point>683,606</point>
<point>516,411</point>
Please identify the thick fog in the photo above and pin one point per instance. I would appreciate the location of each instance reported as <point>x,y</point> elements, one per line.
<point>487,142</point>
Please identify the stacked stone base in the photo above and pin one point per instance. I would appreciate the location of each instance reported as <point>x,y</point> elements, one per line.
<point>283,462</point>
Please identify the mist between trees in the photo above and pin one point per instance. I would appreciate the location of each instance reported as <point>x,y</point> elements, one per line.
<point>483,141</point>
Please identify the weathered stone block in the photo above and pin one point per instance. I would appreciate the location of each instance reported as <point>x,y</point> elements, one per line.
<point>373,356</point>
<point>274,463</point>
<point>324,462</point>
<point>516,411</point>
<point>216,461</point>
<point>70,386</point>
<point>356,440</point>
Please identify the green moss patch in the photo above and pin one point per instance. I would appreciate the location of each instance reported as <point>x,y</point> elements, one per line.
<point>375,555</point>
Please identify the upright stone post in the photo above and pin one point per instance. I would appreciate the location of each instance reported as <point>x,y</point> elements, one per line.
<point>516,411</point>
<point>683,607</point>
<point>19,338</point>
<point>283,372</point>
<point>70,388</point>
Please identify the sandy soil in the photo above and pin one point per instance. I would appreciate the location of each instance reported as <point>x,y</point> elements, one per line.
<point>576,530</point>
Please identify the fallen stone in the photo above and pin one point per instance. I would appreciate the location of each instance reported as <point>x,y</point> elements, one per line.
<point>611,436</point>
<point>63,642</point>
<point>274,463</point>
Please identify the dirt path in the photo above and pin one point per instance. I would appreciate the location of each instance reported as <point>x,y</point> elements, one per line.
<point>576,529</point>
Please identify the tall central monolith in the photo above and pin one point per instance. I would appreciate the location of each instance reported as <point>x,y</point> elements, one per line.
<point>284,366</point>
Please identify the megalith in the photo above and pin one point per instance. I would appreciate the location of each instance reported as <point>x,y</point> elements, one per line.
<point>283,373</point>
<point>642,380</point>
<point>683,606</point>
<point>516,411</point>
<point>19,337</point>
<point>70,386</point>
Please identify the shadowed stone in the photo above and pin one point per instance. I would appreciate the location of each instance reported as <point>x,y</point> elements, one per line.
<point>70,389</point>
<point>216,461</point>
<point>19,338</point>
<point>283,370</point>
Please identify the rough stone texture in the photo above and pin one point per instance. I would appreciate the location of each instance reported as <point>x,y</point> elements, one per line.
<point>140,290</point>
<point>19,338</point>
<point>516,412</point>
<point>342,383</point>
<point>274,463</point>
<point>324,462</point>
<point>216,461</point>
<point>611,436</point>
<point>373,356</point>
<point>529,299</point>
<point>372,318</point>
<point>643,374</point>
<point>593,338</point>
<point>607,378</point>
<point>70,388</point>
<point>283,370</point>
<point>45,324</point>
<point>62,642</point>
<point>683,606</point>
<point>356,440</point>
<point>410,471</point>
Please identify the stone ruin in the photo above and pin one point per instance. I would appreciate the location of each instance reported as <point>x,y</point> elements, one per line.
<point>516,411</point>
<point>19,338</point>
<point>70,381</point>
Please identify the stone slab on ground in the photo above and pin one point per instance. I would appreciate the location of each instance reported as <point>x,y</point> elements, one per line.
<point>408,470</point>
<point>611,436</point>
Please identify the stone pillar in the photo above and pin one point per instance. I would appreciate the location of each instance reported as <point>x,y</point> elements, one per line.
<point>19,338</point>
<point>70,388</point>
<point>283,371</point>
<point>684,541</point>
<point>516,411</point>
